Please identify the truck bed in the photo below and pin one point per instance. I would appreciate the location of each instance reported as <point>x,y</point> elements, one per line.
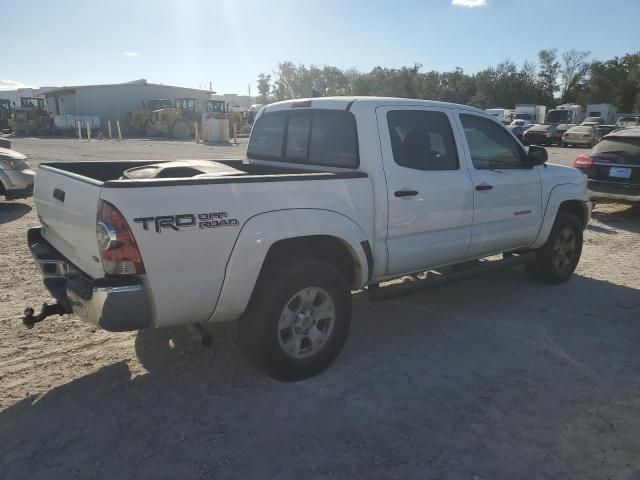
<point>108,174</point>
<point>67,196</point>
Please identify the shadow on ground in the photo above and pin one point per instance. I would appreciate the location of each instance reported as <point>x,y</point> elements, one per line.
<point>10,211</point>
<point>619,216</point>
<point>494,379</point>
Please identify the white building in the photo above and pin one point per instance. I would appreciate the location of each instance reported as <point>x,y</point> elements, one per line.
<point>113,101</point>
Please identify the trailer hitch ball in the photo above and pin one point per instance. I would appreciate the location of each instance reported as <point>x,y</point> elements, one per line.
<point>30,319</point>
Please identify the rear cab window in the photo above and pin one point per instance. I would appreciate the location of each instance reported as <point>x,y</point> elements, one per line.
<point>312,137</point>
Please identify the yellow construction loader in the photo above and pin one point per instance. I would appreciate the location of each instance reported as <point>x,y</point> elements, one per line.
<point>30,117</point>
<point>160,118</point>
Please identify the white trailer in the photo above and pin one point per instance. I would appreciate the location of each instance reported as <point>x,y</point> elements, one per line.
<point>505,115</point>
<point>606,111</point>
<point>565,114</point>
<point>530,112</point>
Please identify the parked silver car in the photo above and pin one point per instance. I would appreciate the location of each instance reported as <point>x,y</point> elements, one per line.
<point>582,136</point>
<point>627,121</point>
<point>16,178</point>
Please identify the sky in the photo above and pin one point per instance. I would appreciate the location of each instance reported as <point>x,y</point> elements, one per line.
<point>229,42</point>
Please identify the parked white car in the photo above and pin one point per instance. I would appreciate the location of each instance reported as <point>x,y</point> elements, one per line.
<point>16,178</point>
<point>581,136</point>
<point>336,194</point>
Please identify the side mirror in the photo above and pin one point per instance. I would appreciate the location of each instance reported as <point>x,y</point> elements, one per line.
<point>536,156</point>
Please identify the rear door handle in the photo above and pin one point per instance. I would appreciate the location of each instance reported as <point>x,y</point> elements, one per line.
<point>484,187</point>
<point>406,193</point>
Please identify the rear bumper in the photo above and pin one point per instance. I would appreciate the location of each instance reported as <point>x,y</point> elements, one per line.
<point>19,193</point>
<point>578,141</point>
<point>603,191</point>
<point>115,304</point>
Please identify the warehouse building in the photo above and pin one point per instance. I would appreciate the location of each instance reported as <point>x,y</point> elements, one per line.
<point>113,102</point>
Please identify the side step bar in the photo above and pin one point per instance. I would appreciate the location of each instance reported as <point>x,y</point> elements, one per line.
<point>458,272</point>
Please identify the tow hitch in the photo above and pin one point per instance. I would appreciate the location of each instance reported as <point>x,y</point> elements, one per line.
<point>29,319</point>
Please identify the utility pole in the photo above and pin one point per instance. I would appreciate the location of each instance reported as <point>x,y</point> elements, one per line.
<point>249,94</point>
<point>210,87</point>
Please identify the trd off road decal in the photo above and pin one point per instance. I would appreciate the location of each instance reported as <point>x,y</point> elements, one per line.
<point>188,221</point>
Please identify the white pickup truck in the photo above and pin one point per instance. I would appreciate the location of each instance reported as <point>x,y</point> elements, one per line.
<point>335,194</point>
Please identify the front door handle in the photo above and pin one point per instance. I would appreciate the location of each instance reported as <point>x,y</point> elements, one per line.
<point>406,193</point>
<point>483,187</point>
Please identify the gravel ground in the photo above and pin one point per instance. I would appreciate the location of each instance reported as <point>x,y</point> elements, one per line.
<point>492,378</point>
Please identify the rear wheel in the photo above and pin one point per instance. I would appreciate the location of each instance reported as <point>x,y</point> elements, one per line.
<point>559,256</point>
<point>298,319</point>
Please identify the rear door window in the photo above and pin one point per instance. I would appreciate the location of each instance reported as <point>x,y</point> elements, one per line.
<point>422,140</point>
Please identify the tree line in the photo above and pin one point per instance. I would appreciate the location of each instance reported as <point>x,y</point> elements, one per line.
<point>570,77</point>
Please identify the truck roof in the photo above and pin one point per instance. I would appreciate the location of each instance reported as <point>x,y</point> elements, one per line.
<point>344,103</point>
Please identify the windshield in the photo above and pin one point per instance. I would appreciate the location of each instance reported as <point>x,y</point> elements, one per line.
<point>628,120</point>
<point>558,116</point>
<point>539,128</point>
<point>623,147</point>
<point>580,130</point>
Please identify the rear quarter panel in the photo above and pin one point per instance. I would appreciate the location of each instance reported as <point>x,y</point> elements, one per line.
<point>186,268</point>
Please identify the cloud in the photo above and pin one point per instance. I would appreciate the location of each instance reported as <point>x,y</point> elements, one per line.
<point>11,85</point>
<point>469,3</point>
<point>131,54</point>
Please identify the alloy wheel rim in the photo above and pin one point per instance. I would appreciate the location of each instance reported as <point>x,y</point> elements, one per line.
<point>306,322</point>
<point>564,250</point>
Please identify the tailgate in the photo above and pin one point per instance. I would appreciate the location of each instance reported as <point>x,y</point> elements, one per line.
<point>67,206</point>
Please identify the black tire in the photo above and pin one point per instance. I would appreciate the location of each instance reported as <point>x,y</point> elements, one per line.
<point>261,334</point>
<point>558,258</point>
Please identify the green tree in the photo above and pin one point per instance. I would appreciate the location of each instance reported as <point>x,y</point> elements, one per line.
<point>574,74</point>
<point>549,72</point>
<point>264,86</point>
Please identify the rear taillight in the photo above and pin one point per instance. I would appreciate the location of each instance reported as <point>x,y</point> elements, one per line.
<point>118,249</point>
<point>583,161</point>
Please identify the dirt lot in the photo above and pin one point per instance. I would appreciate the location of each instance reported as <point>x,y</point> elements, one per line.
<point>492,378</point>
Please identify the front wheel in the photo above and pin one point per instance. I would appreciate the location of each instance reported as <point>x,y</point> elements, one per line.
<point>298,319</point>
<point>559,256</point>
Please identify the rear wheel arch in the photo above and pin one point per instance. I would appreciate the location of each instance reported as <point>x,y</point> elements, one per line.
<point>327,248</point>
